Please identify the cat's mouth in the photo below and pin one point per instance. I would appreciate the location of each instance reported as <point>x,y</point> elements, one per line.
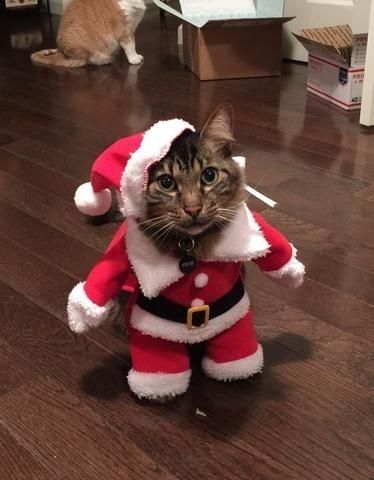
<point>195,228</point>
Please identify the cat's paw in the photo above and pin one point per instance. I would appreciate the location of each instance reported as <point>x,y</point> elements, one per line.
<point>136,59</point>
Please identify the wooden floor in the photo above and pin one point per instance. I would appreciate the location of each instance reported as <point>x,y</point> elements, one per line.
<point>65,409</point>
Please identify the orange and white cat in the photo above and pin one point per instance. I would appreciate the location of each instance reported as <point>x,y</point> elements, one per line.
<point>93,31</point>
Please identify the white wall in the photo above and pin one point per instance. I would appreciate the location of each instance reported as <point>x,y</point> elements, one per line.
<point>58,6</point>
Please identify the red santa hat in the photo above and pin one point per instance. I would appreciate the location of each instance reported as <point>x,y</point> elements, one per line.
<point>124,166</point>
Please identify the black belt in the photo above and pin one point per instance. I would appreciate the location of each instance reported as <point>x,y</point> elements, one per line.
<point>193,316</point>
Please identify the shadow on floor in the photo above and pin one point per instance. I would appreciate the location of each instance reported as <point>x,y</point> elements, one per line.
<point>216,400</point>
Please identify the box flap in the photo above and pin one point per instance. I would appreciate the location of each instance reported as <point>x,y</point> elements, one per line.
<point>318,49</point>
<point>246,22</point>
<point>200,13</point>
<point>334,42</point>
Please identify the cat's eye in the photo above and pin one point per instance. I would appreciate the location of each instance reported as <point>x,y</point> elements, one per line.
<point>166,182</point>
<point>209,175</point>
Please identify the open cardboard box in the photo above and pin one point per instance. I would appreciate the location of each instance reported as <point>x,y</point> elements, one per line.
<point>230,38</point>
<point>336,64</point>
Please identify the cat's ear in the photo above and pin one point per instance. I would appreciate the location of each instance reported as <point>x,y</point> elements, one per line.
<point>217,133</point>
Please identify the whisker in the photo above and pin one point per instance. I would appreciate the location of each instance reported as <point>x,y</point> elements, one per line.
<point>262,178</point>
<point>161,229</point>
<point>236,205</point>
<point>140,224</point>
<point>219,224</point>
<point>227,211</point>
<point>162,237</point>
<point>160,222</point>
<point>226,219</point>
<point>144,222</point>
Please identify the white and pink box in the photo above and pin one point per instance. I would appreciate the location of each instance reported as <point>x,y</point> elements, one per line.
<point>336,64</point>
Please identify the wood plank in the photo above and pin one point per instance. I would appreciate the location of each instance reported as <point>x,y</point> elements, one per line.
<point>7,138</point>
<point>54,247</point>
<point>59,214</point>
<point>14,370</point>
<point>17,463</point>
<point>70,435</point>
<point>45,179</point>
<point>39,154</point>
<point>56,141</point>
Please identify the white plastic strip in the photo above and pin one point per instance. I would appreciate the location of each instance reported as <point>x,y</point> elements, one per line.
<point>241,162</point>
<point>261,196</point>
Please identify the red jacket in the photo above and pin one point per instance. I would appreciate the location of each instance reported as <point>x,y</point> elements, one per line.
<point>131,262</point>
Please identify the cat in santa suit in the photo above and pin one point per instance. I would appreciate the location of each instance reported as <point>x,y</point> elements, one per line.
<point>176,301</point>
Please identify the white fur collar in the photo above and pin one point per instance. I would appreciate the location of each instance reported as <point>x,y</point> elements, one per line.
<point>154,270</point>
<point>241,241</point>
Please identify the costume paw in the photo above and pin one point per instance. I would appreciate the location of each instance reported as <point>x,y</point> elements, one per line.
<point>158,387</point>
<point>236,369</point>
<point>291,274</point>
<point>136,59</point>
<point>83,314</point>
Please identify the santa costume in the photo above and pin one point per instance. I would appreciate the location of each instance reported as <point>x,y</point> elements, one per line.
<point>169,309</point>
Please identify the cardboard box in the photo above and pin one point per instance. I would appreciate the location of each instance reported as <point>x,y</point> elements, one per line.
<point>336,64</point>
<point>231,38</point>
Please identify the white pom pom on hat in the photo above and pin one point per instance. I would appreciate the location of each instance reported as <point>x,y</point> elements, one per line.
<point>91,203</point>
<point>124,166</point>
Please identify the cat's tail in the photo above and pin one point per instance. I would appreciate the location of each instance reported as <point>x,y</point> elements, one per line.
<point>54,57</point>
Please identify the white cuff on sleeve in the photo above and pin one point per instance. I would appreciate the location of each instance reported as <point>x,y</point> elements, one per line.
<point>291,274</point>
<point>83,313</point>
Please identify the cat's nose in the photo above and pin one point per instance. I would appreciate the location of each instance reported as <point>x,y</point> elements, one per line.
<point>192,210</point>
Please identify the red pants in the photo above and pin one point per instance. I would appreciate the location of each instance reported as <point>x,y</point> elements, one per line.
<point>155,355</point>
<point>162,368</point>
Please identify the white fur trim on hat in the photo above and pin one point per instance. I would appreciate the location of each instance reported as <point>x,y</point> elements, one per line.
<point>92,203</point>
<point>158,327</point>
<point>155,145</point>
<point>291,274</point>
<point>82,312</point>
<point>235,370</point>
<point>157,385</point>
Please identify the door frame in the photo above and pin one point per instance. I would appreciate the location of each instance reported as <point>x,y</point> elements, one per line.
<point>367,105</point>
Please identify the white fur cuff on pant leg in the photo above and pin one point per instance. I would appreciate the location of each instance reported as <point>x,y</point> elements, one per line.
<point>235,370</point>
<point>157,385</point>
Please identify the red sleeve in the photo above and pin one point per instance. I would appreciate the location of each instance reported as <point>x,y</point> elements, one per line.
<point>108,276</point>
<point>280,251</point>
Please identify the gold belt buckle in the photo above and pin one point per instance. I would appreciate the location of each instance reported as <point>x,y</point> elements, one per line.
<point>192,310</point>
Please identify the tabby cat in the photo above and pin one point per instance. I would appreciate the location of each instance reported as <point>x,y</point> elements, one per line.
<point>92,31</point>
<point>196,189</point>
<point>180,254</point>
